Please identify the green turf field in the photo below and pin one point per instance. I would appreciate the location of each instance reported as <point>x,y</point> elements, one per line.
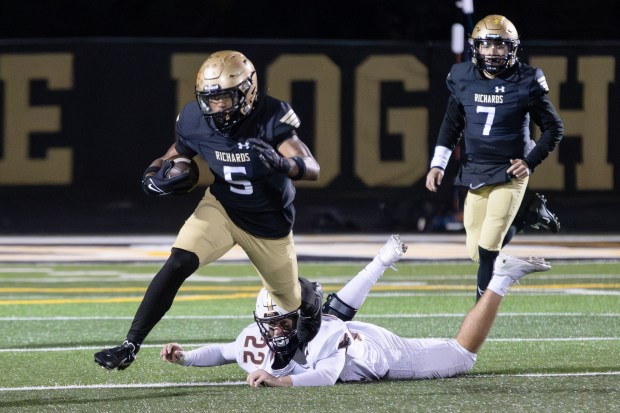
<point>555,346</point>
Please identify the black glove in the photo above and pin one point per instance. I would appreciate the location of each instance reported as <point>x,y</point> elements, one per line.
<point>269,156</point>
<point>154,181</point>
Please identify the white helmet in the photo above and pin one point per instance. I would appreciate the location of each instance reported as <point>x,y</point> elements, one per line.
<point>268,315</point>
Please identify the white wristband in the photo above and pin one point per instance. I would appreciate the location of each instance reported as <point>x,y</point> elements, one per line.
<point>441,157</point>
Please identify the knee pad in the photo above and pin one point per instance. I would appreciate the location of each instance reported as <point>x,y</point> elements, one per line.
<point>182,262</point>
<point>335,306</point>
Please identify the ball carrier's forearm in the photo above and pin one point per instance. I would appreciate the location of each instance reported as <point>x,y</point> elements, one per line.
<point>303,165</point>
<point>291,157</point>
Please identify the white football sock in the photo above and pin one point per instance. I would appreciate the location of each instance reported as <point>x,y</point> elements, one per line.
<point>500,284</point>
<point>354,293</point>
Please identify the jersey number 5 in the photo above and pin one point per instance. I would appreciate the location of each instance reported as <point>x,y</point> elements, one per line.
<point>238,186</point>
<point>490,111</point>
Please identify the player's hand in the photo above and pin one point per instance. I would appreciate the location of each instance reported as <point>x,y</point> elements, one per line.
<point>172,353</point>
<point>519,168</point>
<point>154,181</point>
<point>433,179</point>
<point>269,156</point>
<point>261,378</point>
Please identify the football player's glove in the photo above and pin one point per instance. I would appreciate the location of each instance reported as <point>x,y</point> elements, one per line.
<point>269,156</point>
<point>155,180</point>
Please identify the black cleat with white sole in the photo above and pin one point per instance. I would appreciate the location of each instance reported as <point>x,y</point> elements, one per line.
<point>541,216</point>
<point>119,357</point>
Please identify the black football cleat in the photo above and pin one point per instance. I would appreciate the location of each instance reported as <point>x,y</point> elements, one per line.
<point>310,314</point>
<point>542,217</point>
<point>119,357</point>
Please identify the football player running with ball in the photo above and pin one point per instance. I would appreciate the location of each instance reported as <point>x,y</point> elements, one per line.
<point>250,143</point>
<point>493,98</point>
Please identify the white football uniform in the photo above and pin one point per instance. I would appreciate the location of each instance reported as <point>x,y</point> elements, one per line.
<point>351,351</point>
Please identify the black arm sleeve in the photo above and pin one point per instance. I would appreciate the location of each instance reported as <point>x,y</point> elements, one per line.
<point>544,115</point>
<point>452,125</point>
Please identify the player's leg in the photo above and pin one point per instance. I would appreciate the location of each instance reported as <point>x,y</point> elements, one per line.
<point>161,293</point>
<point>474,211</point>
<point>202,239</point>
<point>478,322</point>
<point>156,302</point>
<point>408,358</point>
<point>276,263</point>
<point>345,303</point>
<point>474,215</point>
<point>518,224</point>
<point>433,358</point>
<point>503,204</point>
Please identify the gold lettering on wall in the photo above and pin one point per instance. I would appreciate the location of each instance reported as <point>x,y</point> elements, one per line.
<point>410,123</point>
<point>184,67</point>
<point>590,122</point>
<point>321,70</point>
<point>21,119</point>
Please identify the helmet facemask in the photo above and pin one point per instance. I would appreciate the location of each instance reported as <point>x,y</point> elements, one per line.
<point>285,326</point>
<point>494,56</point>
<point>224,107</point>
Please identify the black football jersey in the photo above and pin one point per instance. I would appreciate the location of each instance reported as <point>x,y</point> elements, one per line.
<point>256,198</point>
<point>494,117</point>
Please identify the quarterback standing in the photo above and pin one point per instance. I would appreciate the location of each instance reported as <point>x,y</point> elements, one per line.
<point>250,143</point>
<point>493,99</point>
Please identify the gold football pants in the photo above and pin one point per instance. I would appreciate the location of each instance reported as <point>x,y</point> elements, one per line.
<point>210,233</point>
<point>488,213</point>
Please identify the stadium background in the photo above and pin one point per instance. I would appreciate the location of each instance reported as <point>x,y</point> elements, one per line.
<point>101,80</point>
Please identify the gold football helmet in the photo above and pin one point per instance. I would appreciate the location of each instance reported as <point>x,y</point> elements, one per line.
<point>226,88</point>
<point>494,44</point>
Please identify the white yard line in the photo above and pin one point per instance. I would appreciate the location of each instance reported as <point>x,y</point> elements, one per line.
<point>121,386</point>
<point>243,383</point>
<point>241,317</point>
<point>497,340</point>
